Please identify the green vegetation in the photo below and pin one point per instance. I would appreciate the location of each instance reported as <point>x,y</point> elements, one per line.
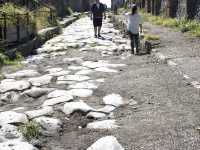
<point>150,37</point>
<point>30,130</point>
<point>190,26</point>
<point>68,10</point>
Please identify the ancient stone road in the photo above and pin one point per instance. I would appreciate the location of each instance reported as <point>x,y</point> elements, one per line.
<point>89,93</point>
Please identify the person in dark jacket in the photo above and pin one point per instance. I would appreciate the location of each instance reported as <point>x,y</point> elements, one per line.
<point>98,13</point>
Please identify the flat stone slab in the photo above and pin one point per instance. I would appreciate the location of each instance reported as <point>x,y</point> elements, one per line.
<point>40,112</point>
<point>15,145</point>
<point>54,70</point>
<point>51,126</point>
<point>77,68</point>
<point>61,73</point>
<point>114,100</point>
<point>96,115</point>
<point>7,85</point>
<point>36,92</point>
<point>73,78</point>
<point>73,60</point>
<point>101,63</point>
<point>83,85</point>
<point>39,81</point>
<point>12,117</point>
<point>107,109</point>
<point>106,143</point>
<point>105,69</point>
<point>58,93</point>
<point>10,132</point>
<point>57,100</point>
<point>23,74</point>
<point>85,72</point>
<point>105,124</point>
<point>72,107</point>
<point>81,92</point>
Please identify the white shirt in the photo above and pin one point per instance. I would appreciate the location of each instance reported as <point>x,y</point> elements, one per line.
<point>134,22</point>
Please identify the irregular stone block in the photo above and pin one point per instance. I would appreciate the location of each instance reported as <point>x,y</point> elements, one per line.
<point>113,99</point>
<point>15,145</point>
<point>39,81</point>
<point>105,124</point>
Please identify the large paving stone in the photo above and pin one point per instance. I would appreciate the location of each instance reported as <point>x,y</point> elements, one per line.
<point>77,68</point>
<point>105,124</point>
<point>58,93</point>
<point>71,107</point>
<point>113,99</point>
<point>73,78</point>
<point>10,132</point>
<point>106,143</point>
<point>54,70</point>
<point>23,74</point>
<point>96,115</point>
<point>16,145</point>
<point>40,112</point>
<point>105,69</point>
<point>57,100</point>
<point>80,92</point>
<point>12,117</point>
<point>39,81</point>
<point>7,85</point>
<point>83,85</point>
<point>36,92</point>
<point>85,72</point>
<point>50,126</point>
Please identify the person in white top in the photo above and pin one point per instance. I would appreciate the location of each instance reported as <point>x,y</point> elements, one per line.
<point>134,28</point>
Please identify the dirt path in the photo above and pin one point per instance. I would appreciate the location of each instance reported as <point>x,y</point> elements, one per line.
<point>87,88</point>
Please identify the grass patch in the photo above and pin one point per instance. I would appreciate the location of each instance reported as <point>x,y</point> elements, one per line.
<point>30,130</point>
<point>184,25</point>
<point>150,37</point>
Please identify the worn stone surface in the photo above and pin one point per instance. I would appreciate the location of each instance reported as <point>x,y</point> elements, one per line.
<point>39,81</point>
<point>12,117</point>
<point>106,143</point>
<point>15,145</point>
<point>105,124</point>
<point>23,74</point>
<point>57,100</point>
<point>113,99</point>
<point>36,92</point>
<point>40,112</point>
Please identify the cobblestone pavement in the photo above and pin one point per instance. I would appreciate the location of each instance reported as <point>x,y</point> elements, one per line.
<point>88,93</point>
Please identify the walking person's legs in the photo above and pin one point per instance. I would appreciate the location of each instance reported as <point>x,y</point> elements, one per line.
<point>132,42</point>
<point>137,42</point>
<point>95,24</point>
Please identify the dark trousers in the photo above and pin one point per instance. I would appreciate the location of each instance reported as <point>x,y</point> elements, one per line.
<point>134,41</point>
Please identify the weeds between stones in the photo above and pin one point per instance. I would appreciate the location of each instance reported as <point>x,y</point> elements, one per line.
<point>30,130</point>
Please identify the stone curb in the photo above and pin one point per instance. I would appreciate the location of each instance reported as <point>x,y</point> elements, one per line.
<point>43,35</point>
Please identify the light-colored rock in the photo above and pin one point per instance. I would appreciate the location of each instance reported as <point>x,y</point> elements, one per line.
<point>23,74</point>
<point>100,80</point>
<point>83,85</point>
<point>36,92</point>
<point>6,86</point>
<point>73,78</point>
<point>57,100</point>
<point>65,82</point>
<point>71,107</point>
<point>50,126</point>
<point>58,93</point>
<point>15,145</point>
<point>54,70</point>
<point>77,68</point>
<point>96,115</point>
<point>113,99</point>
<point>107,109</point>
<point>40,112</point>
<point>10,132</point>
<point>61,73</point>
<point>105,69</point>
<point>105,124</point>
<point>10,97</point>
<point>85,72</point>
<point>39,81</point>
<point>106,143</point>
<point>80,92</point>
<point>12,117</point>
<point>73,60</point>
